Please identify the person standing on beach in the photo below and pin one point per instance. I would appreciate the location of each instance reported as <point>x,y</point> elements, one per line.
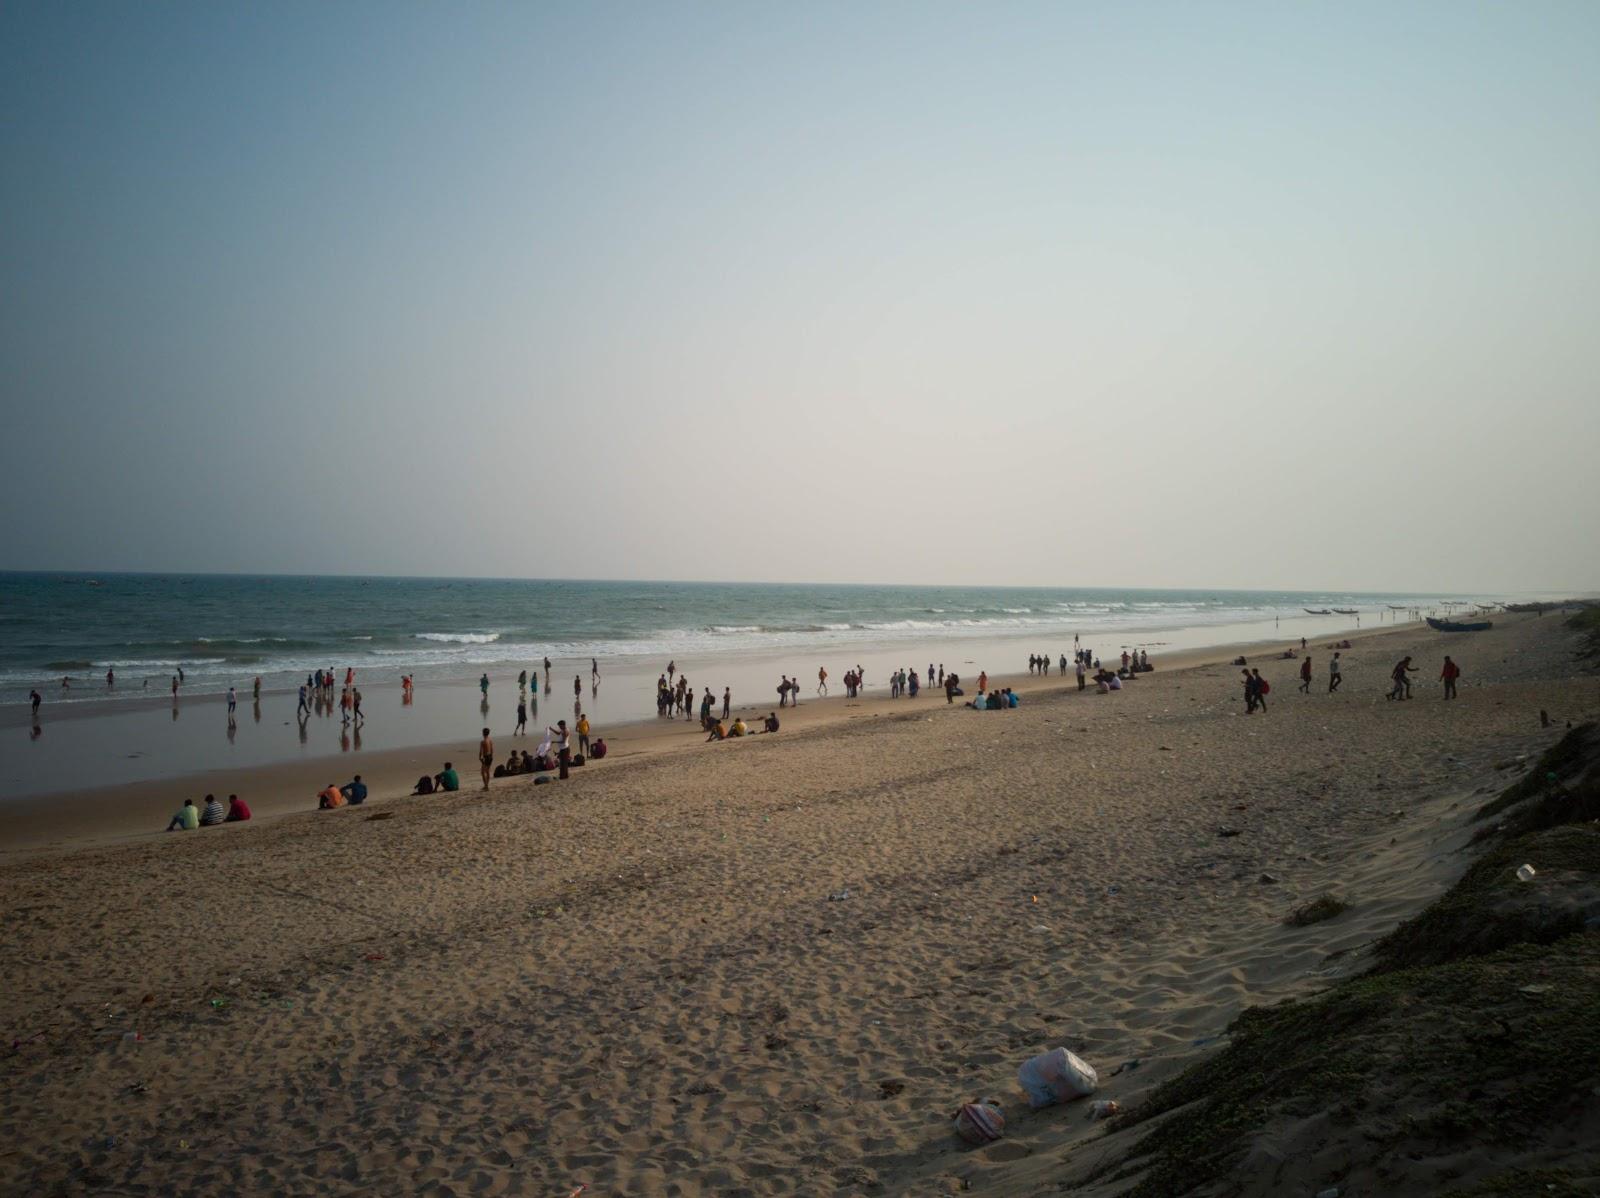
<point>522,680</point>
<point>255,693</point>
<point>1081,672</point>
<point>522,718</point>
<point>688,703</point>
<point>727,701</point>
<point>174,686</point>
<point>577,686</point>
<point>486,757</point>
<point>1334,677</point>
<point>303,709</point>
<point>1402,682</point>
<point>355,704</point>
<point>233,702</point>
<point>35,698</point>
<point>483,685</point>
<point>1449,675</point>
<point>822,681</point>
<point>583,734</point>
<point>983,681</point>
<point>594,671</point>
<point>563,740</point>
<point>1249,693</point>
<point>1305,676</point>
<point>672,668</point>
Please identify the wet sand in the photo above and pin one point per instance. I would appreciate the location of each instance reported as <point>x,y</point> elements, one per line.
<point>641,979</point>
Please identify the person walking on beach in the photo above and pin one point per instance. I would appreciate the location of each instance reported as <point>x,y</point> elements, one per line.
<point>486,757</point>
<point>672,668</point>
<point>983,681</point>
<point>1305,676</point>
<point>233,702</point>
<point>577,686</point>
<point>255,693</point>
<point>174,686</point>
<point>822,681</point>
<point>303,709</point>
<point>35,698</point>
<point>355,704</point>
<point>522,719</point>
<point>1402,682</point>
<point>1449,675</point>
<point>727,701</point>
<point>1334,677</point>
<point>1249,693</point>
<point>522,680</point>
<point>1263,689</point>
<point>483,685</point>
<point>783,691</point>
<point>594,671</point>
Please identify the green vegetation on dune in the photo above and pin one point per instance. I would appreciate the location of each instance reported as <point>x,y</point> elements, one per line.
<point>1479,1023</point>
<point>1587,622</point>
<point>1489,1050</point>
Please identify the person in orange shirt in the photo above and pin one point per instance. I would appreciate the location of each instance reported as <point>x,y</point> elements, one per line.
<point>328,799</point>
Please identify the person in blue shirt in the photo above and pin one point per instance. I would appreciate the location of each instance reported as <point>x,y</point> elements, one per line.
<point>355,791</point>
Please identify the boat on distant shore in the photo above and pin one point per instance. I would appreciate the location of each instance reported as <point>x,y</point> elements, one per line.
<point>1457,626</point>
<point>1396,607</point>
<point>1311,611</point>
<point>1346,611</point>
<point>1541,608</point>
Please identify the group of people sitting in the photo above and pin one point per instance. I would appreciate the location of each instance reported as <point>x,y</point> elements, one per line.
<point>190,817</point>
<point>721,730</point>
<point>999,699</point>
<point>353,793</point>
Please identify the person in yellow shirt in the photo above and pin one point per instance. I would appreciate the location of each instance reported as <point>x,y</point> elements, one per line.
<point>583,734</point>
<point>738,728</point>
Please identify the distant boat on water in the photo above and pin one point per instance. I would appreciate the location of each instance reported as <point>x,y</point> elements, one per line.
<point>1312,611</point>
<point>1397,607</point>
<point>1346,611</point>
<point>1457,626</point>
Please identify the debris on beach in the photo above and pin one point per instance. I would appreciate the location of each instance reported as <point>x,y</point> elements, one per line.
<point>839,896</point>
<point>980,1122</point>
<point>1057,1076</point>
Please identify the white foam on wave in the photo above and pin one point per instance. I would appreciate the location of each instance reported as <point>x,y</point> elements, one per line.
<point>460,638</point>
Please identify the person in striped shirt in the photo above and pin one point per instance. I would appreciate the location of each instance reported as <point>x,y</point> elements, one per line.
<point>214,813</point>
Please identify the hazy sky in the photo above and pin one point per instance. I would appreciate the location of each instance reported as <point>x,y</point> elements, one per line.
<point>1299,295</point>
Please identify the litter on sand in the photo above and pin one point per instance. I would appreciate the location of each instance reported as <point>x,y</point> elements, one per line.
<point>1057,1076</point>
<point>980,1122</point>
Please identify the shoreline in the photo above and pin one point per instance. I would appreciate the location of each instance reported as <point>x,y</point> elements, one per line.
<point>40,823</point>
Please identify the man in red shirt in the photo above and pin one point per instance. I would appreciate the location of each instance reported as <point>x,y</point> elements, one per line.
<point>1450,673</point>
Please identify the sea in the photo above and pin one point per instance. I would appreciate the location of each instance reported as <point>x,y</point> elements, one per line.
<point>225,630</point>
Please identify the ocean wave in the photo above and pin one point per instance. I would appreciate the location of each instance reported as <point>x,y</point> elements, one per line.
<point>460,638</point>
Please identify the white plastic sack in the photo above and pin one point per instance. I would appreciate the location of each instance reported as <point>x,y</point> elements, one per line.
<point>1057,1076</point>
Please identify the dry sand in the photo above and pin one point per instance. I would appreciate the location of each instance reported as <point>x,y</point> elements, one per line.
<point>638,980</point>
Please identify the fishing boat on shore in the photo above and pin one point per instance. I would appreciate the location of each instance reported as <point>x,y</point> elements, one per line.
<point>1346,611</point>
<point>1311,611</point>
<point>1458,626</point>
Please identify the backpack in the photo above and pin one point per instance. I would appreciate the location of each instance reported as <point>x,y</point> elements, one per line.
<point>1266,687</point>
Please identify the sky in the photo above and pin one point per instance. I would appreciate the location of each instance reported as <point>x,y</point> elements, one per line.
<point>1227,295</point>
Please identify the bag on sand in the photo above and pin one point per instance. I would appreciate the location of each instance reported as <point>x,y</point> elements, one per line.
<point>1057,1076</point>
<point>980,1122</point>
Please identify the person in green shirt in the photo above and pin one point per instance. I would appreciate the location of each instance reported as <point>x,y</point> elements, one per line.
<point>187,819</point>
<point>448,779</point>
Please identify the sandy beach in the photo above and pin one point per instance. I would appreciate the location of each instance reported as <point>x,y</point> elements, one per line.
<point>766,967</point>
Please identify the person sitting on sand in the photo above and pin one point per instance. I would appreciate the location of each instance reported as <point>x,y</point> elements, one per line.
<point>770,724</point>
<point>238,810</point>
<point>329,799</point>
<point>187,819</point>
<point>718,732</point>
<point>354,791</point>
<point>738,728</point>
<point>597,750</point>
<point>214,814</point>
<point>979,702</point>
<point>1113,682</point>
<point>1011,697</point>
<point>447,778</point>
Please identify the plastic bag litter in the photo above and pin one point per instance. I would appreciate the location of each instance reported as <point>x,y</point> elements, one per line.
<point>1057,1076</point>
<point>980,1122</point>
